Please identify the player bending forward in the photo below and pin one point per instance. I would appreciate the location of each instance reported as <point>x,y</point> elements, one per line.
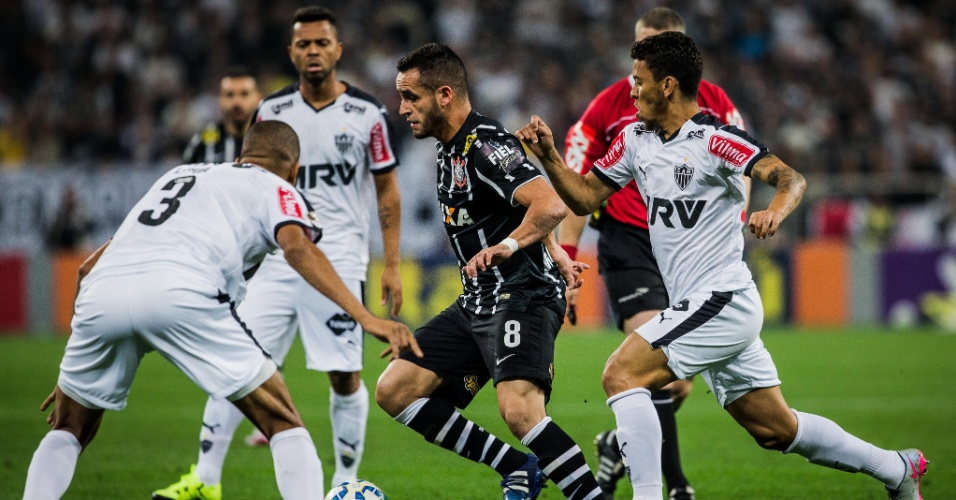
<point>689,168</point>
<point>168,281</point>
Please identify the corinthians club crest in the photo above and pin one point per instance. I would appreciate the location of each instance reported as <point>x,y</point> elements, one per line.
<point>458,171</point>
<point>682,175</point>
<point>343,142</point>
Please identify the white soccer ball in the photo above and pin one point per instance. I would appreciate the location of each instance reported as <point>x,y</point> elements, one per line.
<point>356,490</point>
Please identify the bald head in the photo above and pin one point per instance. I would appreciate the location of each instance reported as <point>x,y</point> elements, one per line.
<point>273,145</point>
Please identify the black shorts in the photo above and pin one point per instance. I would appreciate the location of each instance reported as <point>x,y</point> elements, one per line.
<point>629,269</point>
<point>466,350</point>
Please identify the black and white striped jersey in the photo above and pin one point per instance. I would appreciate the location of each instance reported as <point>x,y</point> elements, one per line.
<point>212,145</point>
<point>479,171</point>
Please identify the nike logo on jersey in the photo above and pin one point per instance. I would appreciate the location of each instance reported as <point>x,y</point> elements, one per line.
<point>500,360</point>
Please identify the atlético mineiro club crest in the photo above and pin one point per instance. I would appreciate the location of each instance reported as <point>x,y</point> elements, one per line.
<point>682,175</point>
<point>459,172</point>
<point>343,142</point>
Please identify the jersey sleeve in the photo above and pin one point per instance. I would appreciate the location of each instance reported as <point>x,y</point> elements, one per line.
<point>614,169</point>
<point>381,144</point>
<point>501,164</point>
<point>285,205</point>
<point>736,151</point>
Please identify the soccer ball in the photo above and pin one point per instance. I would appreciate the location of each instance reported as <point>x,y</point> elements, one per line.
<point>356,490</point>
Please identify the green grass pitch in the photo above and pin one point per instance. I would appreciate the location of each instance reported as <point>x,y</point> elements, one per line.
<point>896,389</point>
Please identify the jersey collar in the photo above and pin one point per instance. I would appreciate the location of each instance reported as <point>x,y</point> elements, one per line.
<point>466,127</point>
<point>699,119</point>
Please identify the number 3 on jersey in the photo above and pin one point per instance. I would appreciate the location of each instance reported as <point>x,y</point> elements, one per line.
<point>512,333</point>
<point>181,186</point>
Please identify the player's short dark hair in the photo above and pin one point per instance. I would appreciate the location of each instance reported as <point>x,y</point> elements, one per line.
<point>272,140</point>
<point>239,72</point>
<point>314,14</point>
<point>438,66</point>
<point>662,19</point>
<point>672,53</point>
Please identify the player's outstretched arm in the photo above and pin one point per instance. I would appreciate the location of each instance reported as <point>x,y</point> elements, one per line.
<point>545,211</point>
<point>582,193</point>
<point>315,267</point>
<point>790,188</point>
<point>389,218</point>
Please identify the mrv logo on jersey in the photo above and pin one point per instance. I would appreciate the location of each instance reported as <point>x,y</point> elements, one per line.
<point>310,174</point>
<point>688,211</point>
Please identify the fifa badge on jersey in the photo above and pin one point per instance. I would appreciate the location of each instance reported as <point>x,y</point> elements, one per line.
<point>471,384</point>
<point>459,171</point>
<point>682,175</point>
<point>343,142</point>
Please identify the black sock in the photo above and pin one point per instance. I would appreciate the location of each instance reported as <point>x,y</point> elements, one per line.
<point>440,423</point>
<point>670,454</point>
<point>562,460</point>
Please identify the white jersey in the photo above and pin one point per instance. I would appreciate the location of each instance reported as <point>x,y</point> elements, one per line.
<point>342,144</point>
<point>694,190</point>
<point>215,220</point>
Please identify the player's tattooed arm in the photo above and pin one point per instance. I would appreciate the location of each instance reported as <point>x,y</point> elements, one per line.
<point>790,187</point>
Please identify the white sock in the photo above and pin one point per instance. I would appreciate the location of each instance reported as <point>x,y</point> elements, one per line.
<point>51,469</point>
<point>349,415</point>
<point>298,468</point>
<point>821,441</point>
<point>219,422</point>
<point>639,436</point>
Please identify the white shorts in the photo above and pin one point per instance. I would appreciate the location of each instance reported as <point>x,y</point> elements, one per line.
<point>118,319</point>
<point>715,334</point>
<point>278,302</point>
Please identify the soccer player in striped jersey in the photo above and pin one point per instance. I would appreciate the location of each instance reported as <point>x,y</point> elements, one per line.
<point>689,168</point>
<point>221,140</point>
<point>498,212</point>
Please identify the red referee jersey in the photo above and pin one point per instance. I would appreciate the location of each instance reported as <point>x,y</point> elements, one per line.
<point>612,110</point>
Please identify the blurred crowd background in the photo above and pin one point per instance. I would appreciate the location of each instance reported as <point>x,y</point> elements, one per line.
<point>858,94</point>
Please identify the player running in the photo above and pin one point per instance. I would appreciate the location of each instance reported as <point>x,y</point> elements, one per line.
<point>689,168</point>
<point>625,260</point>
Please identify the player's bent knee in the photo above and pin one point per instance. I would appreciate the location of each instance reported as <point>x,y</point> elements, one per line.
<point>269,406</point>
<point>389,394</point>
<point>72,417</point>
<point>618,377</point>
<point>772,438</point>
